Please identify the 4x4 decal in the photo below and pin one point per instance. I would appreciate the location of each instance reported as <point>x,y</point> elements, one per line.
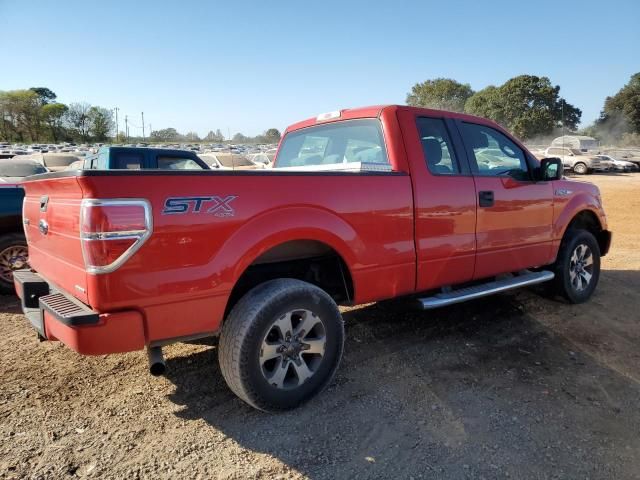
<point>215,205</point>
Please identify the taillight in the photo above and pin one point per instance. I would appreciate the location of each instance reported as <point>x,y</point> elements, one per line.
<point>111,231</point>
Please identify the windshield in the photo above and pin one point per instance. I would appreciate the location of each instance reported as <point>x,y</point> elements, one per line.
<point>20,169</point>
<point>335,143</point>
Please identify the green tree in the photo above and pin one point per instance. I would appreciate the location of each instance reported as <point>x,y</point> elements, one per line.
<point>44,94</point>
<point>78,120</point>
<point>100,123</point>
<point>527,105</point>
<point>165,135</point>
<point>623,109</point>
<point>53,116</point>
<point>441,93</point>
<point>239,138</point>
<point>486,103</point>
<point>20,111</point>
<point>272,135</point>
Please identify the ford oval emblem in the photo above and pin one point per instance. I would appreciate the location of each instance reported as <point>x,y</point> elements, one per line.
<point>43,226</point>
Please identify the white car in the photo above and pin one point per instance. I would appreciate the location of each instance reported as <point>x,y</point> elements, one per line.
<point>213,162</point>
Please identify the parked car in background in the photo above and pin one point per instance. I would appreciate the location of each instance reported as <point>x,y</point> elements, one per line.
<point>54,162</point>
<point>211,159</point>
<point>238,161</point>
<point>14,170</point>
<point>13,245</point>
<point>619,165</point>
<point>577,161</point>
<point>625,154</point>
<point>143,158</point>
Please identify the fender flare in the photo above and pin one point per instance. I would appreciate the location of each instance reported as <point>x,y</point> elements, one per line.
<point>275,227</point>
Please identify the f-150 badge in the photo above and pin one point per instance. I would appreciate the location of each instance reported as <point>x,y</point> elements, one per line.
<point>215,205</point>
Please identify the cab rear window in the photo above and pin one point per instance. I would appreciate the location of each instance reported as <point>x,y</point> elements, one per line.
<point>350,141</point>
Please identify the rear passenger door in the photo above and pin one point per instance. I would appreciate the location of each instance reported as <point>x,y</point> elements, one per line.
<point>515,213</point>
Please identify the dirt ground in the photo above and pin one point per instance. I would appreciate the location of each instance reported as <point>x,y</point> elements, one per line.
<point>514,386</point>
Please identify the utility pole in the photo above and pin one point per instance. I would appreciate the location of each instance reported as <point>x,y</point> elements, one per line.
<point>117,125</point>
<point>126,127</point>
<point>143,126</point>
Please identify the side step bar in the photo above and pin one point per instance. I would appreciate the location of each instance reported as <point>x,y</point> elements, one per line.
<point>523,279</point>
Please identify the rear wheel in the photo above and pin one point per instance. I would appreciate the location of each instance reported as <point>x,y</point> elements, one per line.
<point>13,256</point>
<point>281,344</point>
<point>577,268</point>
<point>580,168</point>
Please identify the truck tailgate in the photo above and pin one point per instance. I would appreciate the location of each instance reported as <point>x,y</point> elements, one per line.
<point>51,216</point>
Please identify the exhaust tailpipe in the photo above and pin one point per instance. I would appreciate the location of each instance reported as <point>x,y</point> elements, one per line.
<point>157,365</point>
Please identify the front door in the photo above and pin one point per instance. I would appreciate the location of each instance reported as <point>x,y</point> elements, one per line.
<point>515,213</point>
<point>444,201</point>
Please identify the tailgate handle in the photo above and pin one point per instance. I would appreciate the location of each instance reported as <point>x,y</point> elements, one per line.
<point>44,201</point>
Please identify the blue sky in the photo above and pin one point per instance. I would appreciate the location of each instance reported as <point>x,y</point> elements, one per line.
<point>247,66</point>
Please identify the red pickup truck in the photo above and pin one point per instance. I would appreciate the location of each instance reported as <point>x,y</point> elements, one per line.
<point>362,205</point>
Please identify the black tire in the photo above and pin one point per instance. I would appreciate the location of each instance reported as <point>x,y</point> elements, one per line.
<point>566,278</point>
<point>580,168</point>
<point>9,241</point>
<point>249,325</point>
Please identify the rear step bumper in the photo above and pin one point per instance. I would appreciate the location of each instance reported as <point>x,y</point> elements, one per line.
<point>523,279</point>
<point>55,315</point>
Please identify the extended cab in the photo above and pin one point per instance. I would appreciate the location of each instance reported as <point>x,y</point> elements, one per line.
<point>362,205</point>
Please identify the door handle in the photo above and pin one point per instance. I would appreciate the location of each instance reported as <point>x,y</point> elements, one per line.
<point>485,198</point>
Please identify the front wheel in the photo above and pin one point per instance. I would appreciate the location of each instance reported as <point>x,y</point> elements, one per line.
<point>13,256</point>
<point>577,267</point>
<point>281,344</point>
<point>580,168</point>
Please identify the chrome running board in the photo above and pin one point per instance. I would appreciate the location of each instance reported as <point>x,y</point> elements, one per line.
<point>522,279</point>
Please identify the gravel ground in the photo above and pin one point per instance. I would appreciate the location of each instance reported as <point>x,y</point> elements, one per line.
<point>514,386</point>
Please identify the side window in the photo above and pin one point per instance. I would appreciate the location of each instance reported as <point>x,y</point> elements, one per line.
<point>127,161</point>
<point>177,163</point>
<point>493,153</point>
<point>437,147</point>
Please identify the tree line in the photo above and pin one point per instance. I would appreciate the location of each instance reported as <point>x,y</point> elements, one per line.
<point>531,107</point>
<point>171,135</point>
<point>34,115</point>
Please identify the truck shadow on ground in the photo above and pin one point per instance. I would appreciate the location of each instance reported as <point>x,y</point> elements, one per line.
<point>10,304</point>
<point>475,390</point>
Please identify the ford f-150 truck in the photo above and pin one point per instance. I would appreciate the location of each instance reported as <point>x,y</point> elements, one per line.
<point>363,205</point>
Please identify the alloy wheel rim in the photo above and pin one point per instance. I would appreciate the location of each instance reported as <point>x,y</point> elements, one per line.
<point>293,349</point>
<point>581,267</point>
<point>12,258</point>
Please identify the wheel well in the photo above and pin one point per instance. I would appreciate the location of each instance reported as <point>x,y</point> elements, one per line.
<point>307,260</point>
<point>587,220</point>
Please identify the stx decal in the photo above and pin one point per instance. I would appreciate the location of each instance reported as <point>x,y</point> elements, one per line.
<point>217,206</point>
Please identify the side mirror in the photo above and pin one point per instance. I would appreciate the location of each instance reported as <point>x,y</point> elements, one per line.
<point>551,169</point>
